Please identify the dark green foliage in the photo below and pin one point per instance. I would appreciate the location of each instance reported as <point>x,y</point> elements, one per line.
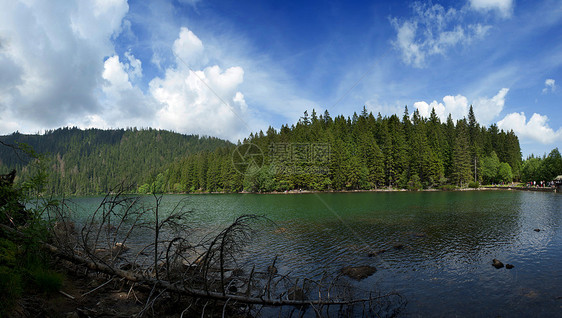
<point>473,184</point>
<point>23,265</point>
<point>489,168</point>
<point>364,153</point>
<point>92,161</point>
<point>542,169</point>
<point>45,280</point>
<point>505,175</point>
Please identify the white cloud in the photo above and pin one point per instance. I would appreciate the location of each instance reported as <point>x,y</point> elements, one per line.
<point>134,67</point>
<point>549,84</point>
<point>124,105</point>
<point>206,101</point>
<point>433,31</point>
<point>487,109</point>
<point>53,53</point>
<point>71,74</point>
<point>188,48</point>
<point>457,106</point>
<point>504,7</point>
<point>536,129</point>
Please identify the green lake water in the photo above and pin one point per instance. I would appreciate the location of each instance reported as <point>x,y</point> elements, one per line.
<point>449,240</point>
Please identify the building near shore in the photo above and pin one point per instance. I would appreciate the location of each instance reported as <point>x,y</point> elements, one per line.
<point>558,183</point>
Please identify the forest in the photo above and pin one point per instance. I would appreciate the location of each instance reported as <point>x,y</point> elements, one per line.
<point>322,153</point>
<point>93,161</point>
<point>318,153</point>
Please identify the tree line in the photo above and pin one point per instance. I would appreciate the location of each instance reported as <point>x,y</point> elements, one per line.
<point>544,168</point>
<point>358,152</point>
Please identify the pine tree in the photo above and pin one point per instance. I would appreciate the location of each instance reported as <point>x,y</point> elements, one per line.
<point>461,156</point>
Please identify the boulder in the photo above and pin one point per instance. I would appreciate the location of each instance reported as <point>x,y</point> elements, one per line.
<point>496,263</point>
<point>509,266</point>
<point>358,272</point>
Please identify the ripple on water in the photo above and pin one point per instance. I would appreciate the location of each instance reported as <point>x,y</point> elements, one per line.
<point>448,242</point>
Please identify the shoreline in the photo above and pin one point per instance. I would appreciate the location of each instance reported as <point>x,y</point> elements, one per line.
<point>481,188</point>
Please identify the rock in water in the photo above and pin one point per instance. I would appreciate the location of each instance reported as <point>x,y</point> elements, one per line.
<point>496,263</point>
<point>359,272</point>
<point>272,270</point>
<point>296,293</point>
<point>398,246</point>
<point>509,266</point>
<point>377,252</point>
<point>537,230</point>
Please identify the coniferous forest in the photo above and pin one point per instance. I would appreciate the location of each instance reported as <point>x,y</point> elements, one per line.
<point>318,153</point>
<point>359,152</point>
<point>93,161</point>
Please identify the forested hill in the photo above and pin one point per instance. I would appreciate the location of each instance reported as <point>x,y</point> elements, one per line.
<point>92,161</point>
<point>362,152</point>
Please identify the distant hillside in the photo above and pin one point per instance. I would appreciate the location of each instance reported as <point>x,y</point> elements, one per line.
<point>94,160</point>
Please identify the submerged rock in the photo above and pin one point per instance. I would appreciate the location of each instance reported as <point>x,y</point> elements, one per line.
<point>280,230</point>
<point>496,263</point>
<point>377,252</point>
<point>509,266</point>
<point>358,272</point>
<point>272,270</point>
<point>296,293</point>
<point>398,246</point>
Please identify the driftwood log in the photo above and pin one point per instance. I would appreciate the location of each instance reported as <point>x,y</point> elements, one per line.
<point>159,283</point>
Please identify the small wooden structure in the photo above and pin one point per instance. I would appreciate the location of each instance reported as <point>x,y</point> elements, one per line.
<point>558,183</point>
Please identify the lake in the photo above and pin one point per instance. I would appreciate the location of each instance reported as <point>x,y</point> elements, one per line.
<point>447,242</point>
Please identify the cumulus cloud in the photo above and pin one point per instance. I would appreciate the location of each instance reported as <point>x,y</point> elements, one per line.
<point>206,101</point>
<point>503,7</point>
<point>71,74</point>
<point>549,85</point>
<point>485,109</point>
<point>124,105</point>
<point>457,106</point>
<point>433,30</point>
<point>51,56</point>
<point>536,129</point>
<point>188,48</point>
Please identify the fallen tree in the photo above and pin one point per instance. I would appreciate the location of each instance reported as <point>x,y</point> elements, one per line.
<point>199,270</point>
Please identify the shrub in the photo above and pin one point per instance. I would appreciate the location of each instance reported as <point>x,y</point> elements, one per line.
<point>10,285</point>
<point>473,184</point>
<point>414,184</point>
<point>46,280</point>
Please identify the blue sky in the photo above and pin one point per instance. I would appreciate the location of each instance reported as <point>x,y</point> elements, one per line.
<point>226,68</point>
